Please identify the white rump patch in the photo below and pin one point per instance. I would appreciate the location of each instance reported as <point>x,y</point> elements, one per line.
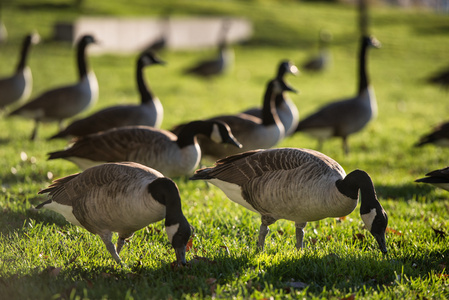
<point>369,218</point>
<point>171,231</point>
<point>65,210</point>
<point>233,191</point>
<point>215,135</point>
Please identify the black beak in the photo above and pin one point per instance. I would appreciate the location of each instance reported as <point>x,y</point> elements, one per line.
<point>233,141</point>
<point>380,238</point>
<point>181,255</point>
<point>286,87</point>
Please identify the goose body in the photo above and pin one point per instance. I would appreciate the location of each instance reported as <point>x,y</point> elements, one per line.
<point>123,198</point>
<point>150,112</point>
<point>299,185</point>
<point>252,132</point>
<point>439,136</point>
<point>159,149</point>
<point>345,117</point>
<point>18,86</point>
<point>67,101</point>
<point>321,61</point>
<point>285,108</point>
<point>438,178</point>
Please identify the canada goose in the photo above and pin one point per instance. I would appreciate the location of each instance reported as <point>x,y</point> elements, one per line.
<point>322,60</point>
<point>150,111</point>
<point>439,136</point>
<point>440,78</point>
<point>252,132</point>
<point>285,108</point>
<point>18,86</point>
<point>439,178</point>
<point>344,117</point>
<point>299,185</point>
<point>122,198</point>
<point>159,149</point>
<point>218,65</point>
<point>64,102</point>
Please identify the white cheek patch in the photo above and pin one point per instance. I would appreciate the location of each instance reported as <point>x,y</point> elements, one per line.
<point>369,218</point>
<point>171,231</point>
<point>215,135</point>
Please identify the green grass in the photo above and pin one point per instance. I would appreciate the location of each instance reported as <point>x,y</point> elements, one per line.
<point>44,257</point>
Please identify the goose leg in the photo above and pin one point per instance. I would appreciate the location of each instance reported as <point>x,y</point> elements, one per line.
<point>263,231</point>
<point>345,145</point>
<point>121,240</point>
<point>300,234</point>
<point>107,240</point>
<point>34,133</point>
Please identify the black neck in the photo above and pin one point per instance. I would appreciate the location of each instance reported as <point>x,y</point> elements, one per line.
<point>24,53</point>
<point>146,96</point>
<point>187,135</point>
<point>269,114</point>
<point>165,191</point>
<point>82,59</point>
<point>363,76</point>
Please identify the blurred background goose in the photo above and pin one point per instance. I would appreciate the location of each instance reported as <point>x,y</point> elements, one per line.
<point>218,65</point>
<point>122,198</point>
<point>67,101</point>
<point>321,61</point>
<point>18,86</point>
<point>285,107</point>
<point>440,78</point>
<point>439,136</point>
<point>345,117</point>
<point>159,149</point>
<point>252,132</point>
<point>438,178</point>
<point>299,185</point>
<point>150,112</point>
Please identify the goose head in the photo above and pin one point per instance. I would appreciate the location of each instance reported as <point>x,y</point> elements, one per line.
<point>286,67</point>
<point>147,58</point>
<point>371,41</point>
<point>371,211</point>
<point>221,134</point>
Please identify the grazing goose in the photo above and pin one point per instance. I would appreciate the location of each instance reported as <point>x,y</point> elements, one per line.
<point>321,61</point>
<point>344,117</point>
<point>150,111</point>
<point>67,101</point>
<point>439,178</point>
<point>159,149</point>
<point>299,185</point>
<point>18,86</point>
<point>285,108</point>
<point>218,65</point>
<point>439,136</point>
<point>123,198</point>
<point>252,132</point>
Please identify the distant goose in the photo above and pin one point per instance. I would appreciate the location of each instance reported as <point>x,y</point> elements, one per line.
<point>67,101</point>
<point>345,117</point>
<point>299,185</point>
<point>218,65</point>
<point>159,149</point>
<point>440,78</point>
<point>18,86</point>
<point>252,132</point>
<point>439,136</point>
<point>161,42</point>
<point>439,178</point>
<point>123,198</point>
<point>322,60</point>
<point>286,109</point>
<point>150,111</point>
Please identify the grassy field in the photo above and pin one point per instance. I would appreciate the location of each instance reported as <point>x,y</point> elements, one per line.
<point>44,257</point>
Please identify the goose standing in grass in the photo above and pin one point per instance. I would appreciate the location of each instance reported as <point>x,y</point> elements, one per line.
<point>150,111</point>
<point>439,178</point>
<point>67,101</point>
<point>299,185</point>
<point>122,198</point>
<point>252,132</point>
<point>218,65</point>
<point>322,60</point>
<point>345,117</point>
<point>439,136</point>
<point>285,108</point>
<point>159,149</point>
<point>18,86</point>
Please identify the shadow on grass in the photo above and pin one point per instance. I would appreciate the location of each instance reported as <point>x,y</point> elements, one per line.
<point>406,191</point>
